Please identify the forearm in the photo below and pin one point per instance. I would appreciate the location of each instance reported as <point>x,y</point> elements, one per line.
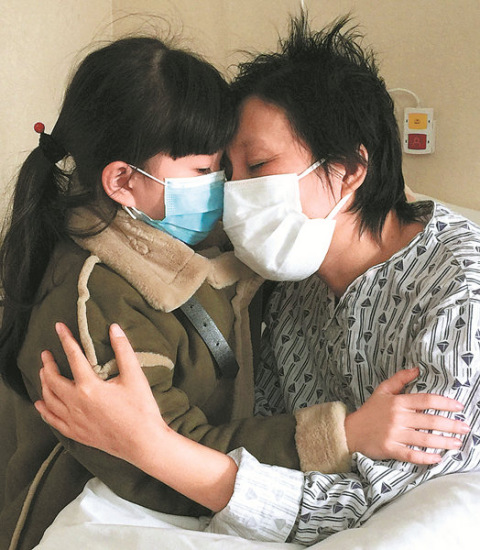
<point>200,473</point>
<point>311,439</point>
<point>162,470</point>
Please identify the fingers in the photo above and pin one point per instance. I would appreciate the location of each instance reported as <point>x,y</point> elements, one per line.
<point>419,401</point>
<point>49,361</point>
<point>424,401</point>
<point>51,379</point>
<point>53,385</point>
<point>127,362</point>
<point>52,406</point>
<point>50,418</point>
<point>396,383</point>
<point>81,368</point>
<point>432,441</point>
<point>432,422</point>
<point>128,365</point>
<point>405,454</point>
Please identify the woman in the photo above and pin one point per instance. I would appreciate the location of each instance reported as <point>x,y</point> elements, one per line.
<point>107,236</point>
<point>317,189</point>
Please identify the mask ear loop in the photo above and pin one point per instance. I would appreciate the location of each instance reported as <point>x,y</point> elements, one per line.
<point>338,206</point>
<point>147,174</point>
<point>131,211</point>
<point>340,203</point>
<point>311,168</point>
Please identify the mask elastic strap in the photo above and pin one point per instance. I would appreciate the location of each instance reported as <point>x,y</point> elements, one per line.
<point>146,174</point>
<point>338,206</point>
<point>311,168</point>
<point>135,213</point>
<point>131,211</point>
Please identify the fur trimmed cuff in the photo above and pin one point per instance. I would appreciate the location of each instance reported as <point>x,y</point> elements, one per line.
<point>321,440</point>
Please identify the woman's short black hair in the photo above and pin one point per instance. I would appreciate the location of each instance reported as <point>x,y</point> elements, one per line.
<point>335,100</point>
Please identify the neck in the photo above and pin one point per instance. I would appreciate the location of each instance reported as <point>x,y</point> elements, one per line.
<point>351,254</point>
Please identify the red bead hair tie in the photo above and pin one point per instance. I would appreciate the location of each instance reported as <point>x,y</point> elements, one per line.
<point>52,150</point>
<point>39,127</point>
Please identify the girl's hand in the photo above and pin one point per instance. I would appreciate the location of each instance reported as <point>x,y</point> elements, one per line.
<point>93,411</point>
<point>388,424</point>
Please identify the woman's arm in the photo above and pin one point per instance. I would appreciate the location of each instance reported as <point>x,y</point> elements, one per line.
<point>121,417</point>
<point>108,415</point>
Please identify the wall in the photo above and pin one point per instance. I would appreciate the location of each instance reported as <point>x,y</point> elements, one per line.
<point>428,46</point>
<point>39,42</point>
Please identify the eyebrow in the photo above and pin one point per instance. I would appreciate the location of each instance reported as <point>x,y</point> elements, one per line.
<point>254,142</point>
<point>257,140</point>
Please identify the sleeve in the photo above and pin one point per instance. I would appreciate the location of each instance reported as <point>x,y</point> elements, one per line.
<point>447,346</point>
<point>269,496</point>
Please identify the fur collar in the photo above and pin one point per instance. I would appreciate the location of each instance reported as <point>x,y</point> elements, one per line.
<point>164,270</point>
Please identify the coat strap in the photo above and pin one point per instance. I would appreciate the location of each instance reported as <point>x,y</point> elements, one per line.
<point>211,335</point>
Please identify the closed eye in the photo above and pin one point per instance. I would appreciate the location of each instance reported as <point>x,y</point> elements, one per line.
<point>256,166</point>
<point>203,171</point>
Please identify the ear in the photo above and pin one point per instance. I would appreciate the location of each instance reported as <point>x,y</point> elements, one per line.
<point>118,182</point>
<point>353,180</point>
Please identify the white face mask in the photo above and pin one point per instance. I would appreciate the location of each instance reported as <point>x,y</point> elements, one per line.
<point>264,220</point>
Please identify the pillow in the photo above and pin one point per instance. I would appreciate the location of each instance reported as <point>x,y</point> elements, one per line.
<point>469,213</point>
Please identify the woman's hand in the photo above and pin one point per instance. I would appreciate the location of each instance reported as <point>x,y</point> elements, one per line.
<point>389,423</point>
<point>121,417</point>
<point>116,416</point>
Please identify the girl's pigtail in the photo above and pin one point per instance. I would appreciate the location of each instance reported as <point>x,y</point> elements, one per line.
<point>36,224</point>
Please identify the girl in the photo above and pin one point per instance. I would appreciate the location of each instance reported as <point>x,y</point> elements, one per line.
<point>106,212</point>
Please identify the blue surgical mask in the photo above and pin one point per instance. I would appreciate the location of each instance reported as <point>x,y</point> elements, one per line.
<point>192,206</point>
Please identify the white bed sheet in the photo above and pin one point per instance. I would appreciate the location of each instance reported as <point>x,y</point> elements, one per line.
<point>442,514</point>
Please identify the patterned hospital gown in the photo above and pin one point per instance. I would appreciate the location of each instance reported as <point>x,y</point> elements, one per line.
<point>420,308</point>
